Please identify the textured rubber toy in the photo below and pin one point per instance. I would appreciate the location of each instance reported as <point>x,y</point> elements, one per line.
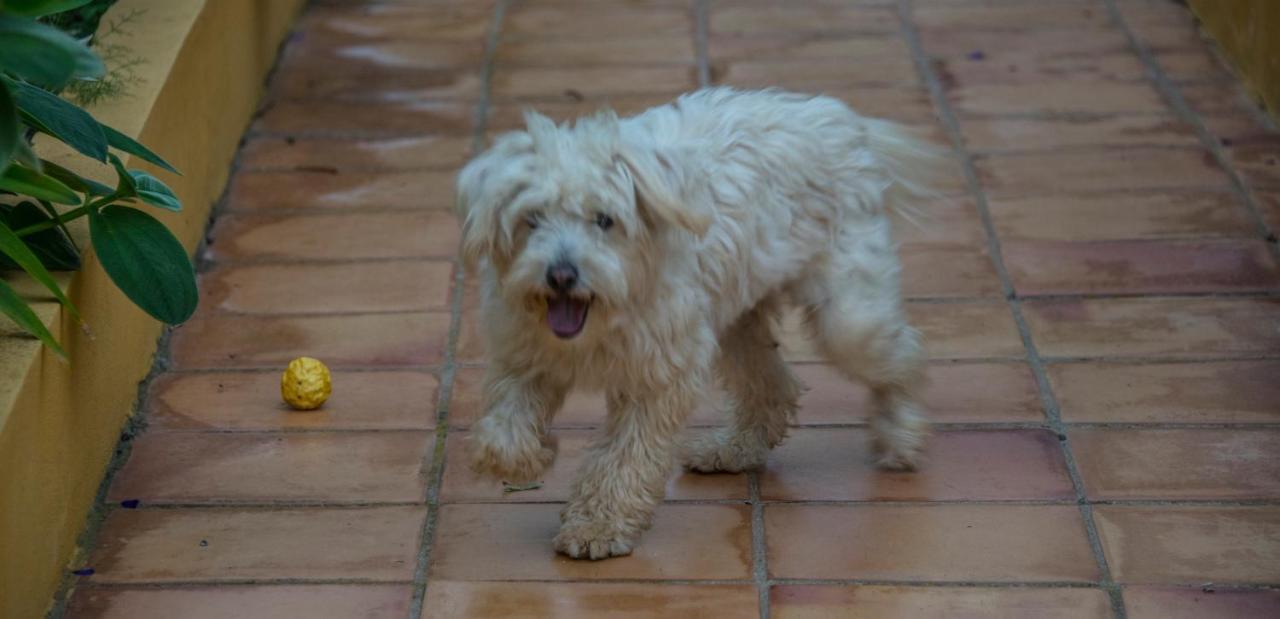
<point>305,384</point>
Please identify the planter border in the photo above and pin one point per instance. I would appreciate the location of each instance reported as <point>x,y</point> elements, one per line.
<point>206,61</point>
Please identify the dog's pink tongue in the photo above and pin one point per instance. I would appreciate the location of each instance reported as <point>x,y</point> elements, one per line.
<point>566,316</point>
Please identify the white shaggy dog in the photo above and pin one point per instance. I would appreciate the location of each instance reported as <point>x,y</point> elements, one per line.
<point>646,255</point>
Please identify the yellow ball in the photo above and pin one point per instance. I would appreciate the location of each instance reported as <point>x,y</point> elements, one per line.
<point>305,385</point>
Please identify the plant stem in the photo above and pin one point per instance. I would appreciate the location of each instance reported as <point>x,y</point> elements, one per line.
<point>70,215</point>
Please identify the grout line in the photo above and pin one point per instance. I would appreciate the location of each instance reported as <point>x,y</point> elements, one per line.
<point>1173,96</point>
<point>701,20</point>
<point>436,469</point>
<point>974,584</point>
<point>947,117</point>
<point>759,552</point>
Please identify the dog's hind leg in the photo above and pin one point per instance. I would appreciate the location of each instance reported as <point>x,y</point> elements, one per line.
<point>763,396</point>
<point>856,315</point>
<point>510,442</point>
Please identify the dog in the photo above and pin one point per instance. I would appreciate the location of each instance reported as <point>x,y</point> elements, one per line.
<point>649,256</point>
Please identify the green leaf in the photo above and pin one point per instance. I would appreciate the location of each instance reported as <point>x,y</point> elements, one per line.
<point>60,119</point>
<point>26,156</point>
<point>126,187</point>
<point>54,247</point>
<point>145,261</point>
<point>40,8</point>
<point>129,145</point>
<point>18,311</point>
<point>16,250</point>
<point>154,192</point>
<point>24,181</point>
<point>75,181</point>
<point>43,54</point>
<point>10,128</point>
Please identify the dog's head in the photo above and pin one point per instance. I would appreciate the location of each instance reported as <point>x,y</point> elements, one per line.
<point>571,217</point>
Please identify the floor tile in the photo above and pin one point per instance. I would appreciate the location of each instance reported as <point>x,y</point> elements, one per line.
<point>1017,17</point>
<point>1258,163</point>
<point>388,84</point>
<point>955,393</point>
<point>1268,203</point>
<point>1218,392</point>
<point>390,400</point>
<point>261,601</point>
<point>346,118</point>
<point>940,271</point>
<point>452,599</point>
<point>841,47</point>
<point>903,104</point>
<point>812,19</point>
<point>215,467</point>
<point>381,340</point>
<point>337,236</point>
<point>966,330</point>
<point>960,330</point>
<point>1036,174</point>
<point>1193,545</point>
<point>1165,327</point>
<point>461,484</point>
<point>1074,96</point>
<point>603,22</point>
<point>334,190</point>
<point>837,465</point>
<point>1206,463</point>
<point>534,82</point>
<point>267,153</point>
<point>1143,267</point>
<point>1197,603</point>
<point>315,51</point>
<point>390,286</point>
<point>948,222</point>
<point>397,21</point>
<point>581,409</point>
<point>513,542</point>
<point>375,544</point>
<point>578,52</point>
<point>821,601</point>
<point>975,57</point>
<point>816,76</point>
<point>1139,215</point>
<point>509,116</point>
<point>986,543</point>
<point>1032,134</point>
<point>1067,39</point>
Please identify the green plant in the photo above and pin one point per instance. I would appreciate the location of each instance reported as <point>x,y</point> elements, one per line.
<point>139,254</point>
<point>87,24</point>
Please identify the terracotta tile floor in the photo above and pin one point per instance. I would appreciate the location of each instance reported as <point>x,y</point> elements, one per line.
<point>1101,298</point>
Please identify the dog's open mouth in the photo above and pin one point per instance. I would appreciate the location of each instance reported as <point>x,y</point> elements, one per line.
<point>567,315</point>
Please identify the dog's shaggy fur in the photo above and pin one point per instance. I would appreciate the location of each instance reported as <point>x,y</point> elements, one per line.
<point>646,256</point>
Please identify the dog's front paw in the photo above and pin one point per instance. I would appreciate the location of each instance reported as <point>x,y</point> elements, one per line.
<point>718,452</point>
<point>902,453</point>
<point>592,540</point>
<point>514,461</point>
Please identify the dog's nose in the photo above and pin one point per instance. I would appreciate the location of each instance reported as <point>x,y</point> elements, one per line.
<point>562,276</point>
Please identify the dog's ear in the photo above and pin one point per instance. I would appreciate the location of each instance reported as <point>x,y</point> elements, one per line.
<point>668,185</point>
<point>484,188</point>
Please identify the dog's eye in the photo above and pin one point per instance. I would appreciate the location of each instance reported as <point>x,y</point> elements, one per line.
<point>604,221</point>
<point>532,220</point>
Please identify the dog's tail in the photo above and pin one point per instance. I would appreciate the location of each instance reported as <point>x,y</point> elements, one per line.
<point>916,167</point>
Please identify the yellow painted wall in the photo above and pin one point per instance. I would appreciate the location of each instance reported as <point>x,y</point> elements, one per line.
<point>1249,32</point>
<point>205,65</point>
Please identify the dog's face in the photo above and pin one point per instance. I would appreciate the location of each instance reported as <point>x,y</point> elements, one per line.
<point>568,217</point>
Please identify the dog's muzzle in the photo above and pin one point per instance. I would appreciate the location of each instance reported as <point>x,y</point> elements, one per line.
<point>566,309</point>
